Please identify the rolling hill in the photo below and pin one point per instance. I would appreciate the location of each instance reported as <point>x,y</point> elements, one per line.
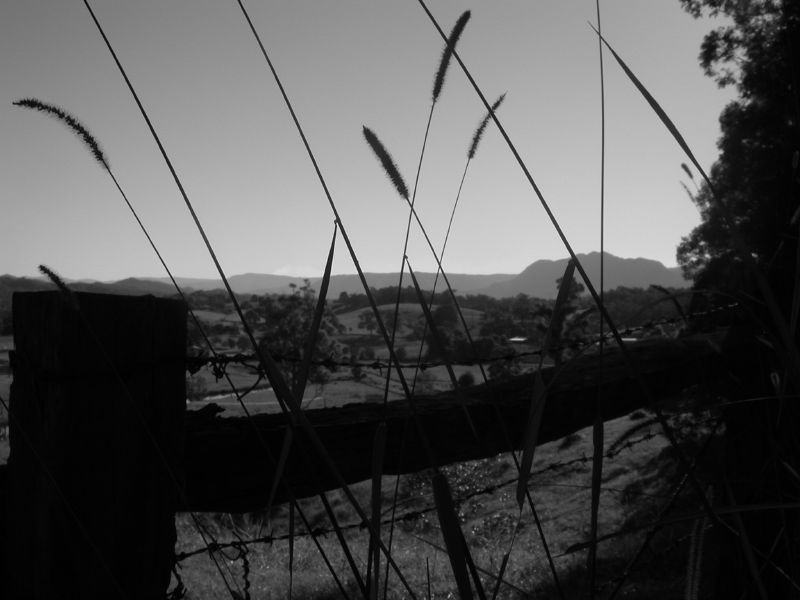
<point>537,280</point>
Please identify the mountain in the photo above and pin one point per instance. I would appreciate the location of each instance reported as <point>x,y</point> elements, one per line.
<point>539,278</point>
<point>131,286</point>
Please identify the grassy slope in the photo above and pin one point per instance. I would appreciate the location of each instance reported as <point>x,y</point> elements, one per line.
<point>635,483</point>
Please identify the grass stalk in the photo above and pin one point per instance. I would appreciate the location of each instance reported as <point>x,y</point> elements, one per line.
<point>785,343</point>
<point>663,512</point>
<point>476,138</point>
<point>453,537</point>
<point>319,311</point>
<point>584,276</point>
<point>531,435</point>
<point>598,432</point>
<point>394,175</point>
<point>438,341</point>
<point>94,148</point>
<point>374,556</point>
<point>282,392</point>
<point>438,84</point>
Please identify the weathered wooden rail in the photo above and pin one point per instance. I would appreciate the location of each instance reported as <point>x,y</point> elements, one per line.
<point>227,467</point>
<point>103,452</point>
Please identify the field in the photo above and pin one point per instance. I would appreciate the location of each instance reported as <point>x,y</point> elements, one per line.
<point>636,482</point>
<point>694,496</point>
<point>341,386</point>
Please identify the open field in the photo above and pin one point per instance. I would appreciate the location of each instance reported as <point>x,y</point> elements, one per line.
<point>635,482</point>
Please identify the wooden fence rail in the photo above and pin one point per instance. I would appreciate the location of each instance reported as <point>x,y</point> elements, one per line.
<point>227,468</point>
<point>98,408</point>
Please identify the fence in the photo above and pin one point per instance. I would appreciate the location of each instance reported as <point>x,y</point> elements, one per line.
<point>99,436</point>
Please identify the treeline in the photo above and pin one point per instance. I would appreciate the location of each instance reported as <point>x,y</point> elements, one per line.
<point>629,307</point>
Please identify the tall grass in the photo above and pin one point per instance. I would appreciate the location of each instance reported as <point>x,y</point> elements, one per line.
<point>366,571</point>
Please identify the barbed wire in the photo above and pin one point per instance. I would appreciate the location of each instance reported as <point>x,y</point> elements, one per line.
<point>220,362</point>
<point>411,515</point>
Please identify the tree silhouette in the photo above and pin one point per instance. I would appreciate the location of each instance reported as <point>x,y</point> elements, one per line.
<point>756,181</point>
<point>756,174</point>
<point>287,326</point>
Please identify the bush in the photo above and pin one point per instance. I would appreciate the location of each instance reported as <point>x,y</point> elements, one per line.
<point>466,379</point>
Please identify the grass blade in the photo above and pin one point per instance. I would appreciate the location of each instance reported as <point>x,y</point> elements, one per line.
<point>447,54</point>
<point>788,347</point>
<point>657,109</point>
<point>438,341</point>
<point>282,390</point>
<point>500,574</point>
<point>291,548</point>
<point>598,430</point>
<point>531,435</point>
<point>428,576</point>
<point>378,452</point>
<point>744,539</point>
<point>794,357</point>
<point>674,300</point>
<point>598,438</point>
<point>311,342</point>
<point>451,532</point>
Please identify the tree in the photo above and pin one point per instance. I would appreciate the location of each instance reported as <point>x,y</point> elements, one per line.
<point>755,176</point>
<point>754,186</point>
<point>366,320</point>
<point>569,325</point>
<point>287,327</point>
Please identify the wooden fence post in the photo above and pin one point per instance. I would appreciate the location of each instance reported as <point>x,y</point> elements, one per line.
<point>96,432</point>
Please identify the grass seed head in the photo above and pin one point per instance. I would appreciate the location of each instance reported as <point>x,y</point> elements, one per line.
<point>56,280</point>
<point>447,53</point>
<point>482,127</point>
<point>386,161</point>
<point>70,122</point>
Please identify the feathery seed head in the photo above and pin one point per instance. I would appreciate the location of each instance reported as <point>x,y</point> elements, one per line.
<point>447,53</point>
<point>56,280</point>
<point>70,122</point>
<point>386,161</point>
<point>482,127</point>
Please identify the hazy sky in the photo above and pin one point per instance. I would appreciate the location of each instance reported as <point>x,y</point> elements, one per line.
<point>345,64</point>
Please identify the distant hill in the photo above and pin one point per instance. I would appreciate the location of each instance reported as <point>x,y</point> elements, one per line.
<point>539,278</point>
<point>248,283</point>
<point>131,286</point>
<point>262,283</point>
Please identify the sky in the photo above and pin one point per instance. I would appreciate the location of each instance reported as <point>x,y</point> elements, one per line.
<point>346,64</point>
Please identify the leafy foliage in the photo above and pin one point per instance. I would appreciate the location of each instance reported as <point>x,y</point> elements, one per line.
<point>756,174</point>
<point>285,325</point>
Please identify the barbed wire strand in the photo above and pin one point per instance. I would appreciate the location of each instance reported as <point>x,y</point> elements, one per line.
<point>414,514</point>
<point>219,362</point>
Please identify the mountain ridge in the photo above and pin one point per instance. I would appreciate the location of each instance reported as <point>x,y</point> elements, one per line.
<point>537,280</point>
